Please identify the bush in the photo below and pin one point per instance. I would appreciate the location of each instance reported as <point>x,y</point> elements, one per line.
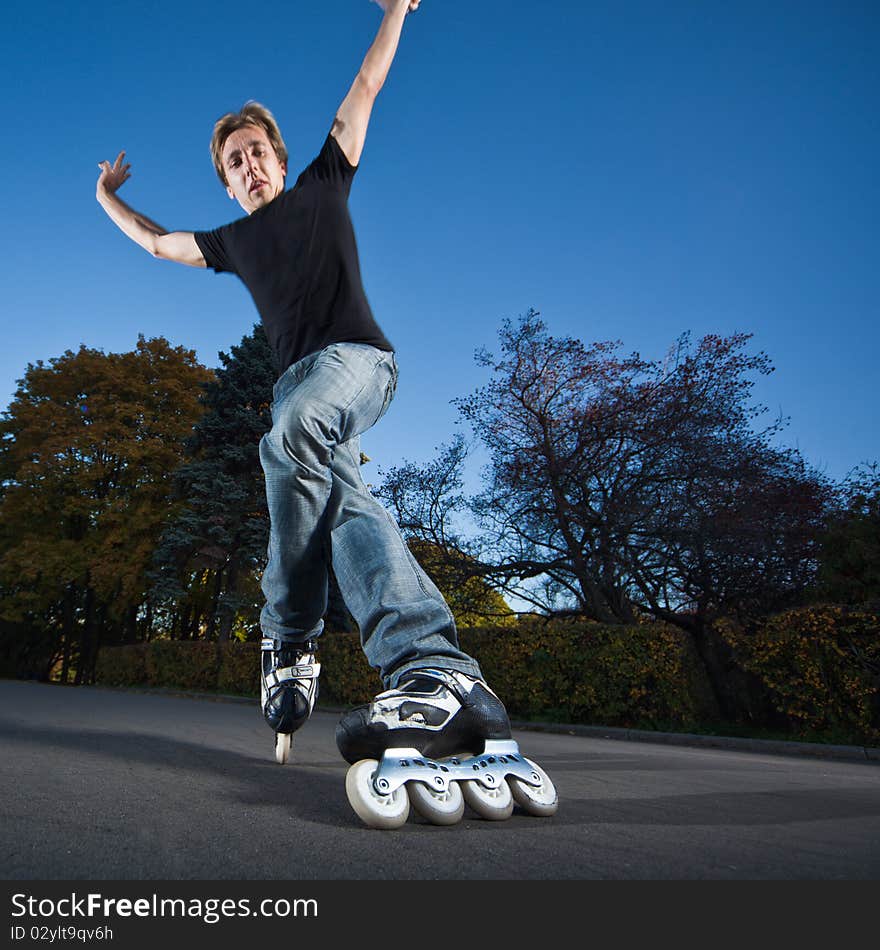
<point>238,673</point>
<point>582,672</point>
<point>346,677</point>
<point>193,667</point>
<point>821,665</point>
<point>233,668</point>
<point>564,671</point>
<point>122,665</point>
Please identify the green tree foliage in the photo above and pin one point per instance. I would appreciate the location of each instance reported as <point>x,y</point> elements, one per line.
<point>88,447</point>
<point>472,601</point>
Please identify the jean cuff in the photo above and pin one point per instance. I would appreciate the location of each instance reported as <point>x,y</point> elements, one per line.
<point>295,636</point>
<point>469,668</point>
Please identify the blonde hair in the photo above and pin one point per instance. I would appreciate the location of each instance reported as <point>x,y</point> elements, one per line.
<point>251,113</point>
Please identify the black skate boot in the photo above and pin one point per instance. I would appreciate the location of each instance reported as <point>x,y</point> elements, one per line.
<point>439,712</point>
<point>438,741</point>
<point>289,688</point>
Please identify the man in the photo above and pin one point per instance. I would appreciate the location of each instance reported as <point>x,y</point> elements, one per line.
<point>295,251</point>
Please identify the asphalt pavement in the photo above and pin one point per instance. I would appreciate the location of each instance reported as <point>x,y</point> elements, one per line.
<point>101,784</point>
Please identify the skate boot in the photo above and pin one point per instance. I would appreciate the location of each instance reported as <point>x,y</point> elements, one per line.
<point>288,688</point>
<point>439,740</point>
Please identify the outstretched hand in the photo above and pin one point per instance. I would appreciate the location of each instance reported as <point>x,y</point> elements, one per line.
<point>384,4</point>
<point>113,176</point>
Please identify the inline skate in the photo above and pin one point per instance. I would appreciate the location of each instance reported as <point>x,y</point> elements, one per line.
<point>438,741</point>
<point>288,688</point>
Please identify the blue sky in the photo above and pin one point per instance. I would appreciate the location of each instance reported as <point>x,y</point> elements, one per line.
<point>632,170</point>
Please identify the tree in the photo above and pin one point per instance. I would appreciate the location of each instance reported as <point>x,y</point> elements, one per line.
<point>849,570</point>
<point>207,567</point>
<point>210,551</point>
<point>427,502</point>
<point>619,487</point>
<point>88,445</point>
<point>471,599</point>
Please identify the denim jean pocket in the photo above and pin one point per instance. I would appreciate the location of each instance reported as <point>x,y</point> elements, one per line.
<point>390,389</point>
<point>295,374</point>
<point>361,351</point>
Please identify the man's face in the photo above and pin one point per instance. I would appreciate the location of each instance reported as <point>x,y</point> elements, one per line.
<point>253,173</point>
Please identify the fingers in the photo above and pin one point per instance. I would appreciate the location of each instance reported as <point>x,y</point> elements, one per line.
<point>112,177</point>
<point>117,168</point>
<point>116,163</point>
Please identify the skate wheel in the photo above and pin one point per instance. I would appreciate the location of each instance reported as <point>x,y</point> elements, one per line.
<point>375,810</point>
<point>282,747</point>
<point>541,800</point>
<point>494,804</point>
<point>440,808</point>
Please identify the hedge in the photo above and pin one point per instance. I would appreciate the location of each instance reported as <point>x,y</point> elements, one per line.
<point>821,666</point>
<point>579,672</point>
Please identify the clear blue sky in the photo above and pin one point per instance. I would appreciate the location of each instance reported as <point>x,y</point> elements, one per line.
<point>630,169</point>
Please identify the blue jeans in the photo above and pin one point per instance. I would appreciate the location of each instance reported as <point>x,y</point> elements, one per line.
<point>319,507</point>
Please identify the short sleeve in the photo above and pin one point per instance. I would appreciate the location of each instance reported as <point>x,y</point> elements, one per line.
<point>331,167</point>
<point>213,248</point>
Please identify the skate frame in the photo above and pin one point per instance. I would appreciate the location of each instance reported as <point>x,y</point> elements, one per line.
<point>398,766</point>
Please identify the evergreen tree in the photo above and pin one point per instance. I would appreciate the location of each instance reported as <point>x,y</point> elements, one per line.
<point>211,551</point>
<point>212,554</point>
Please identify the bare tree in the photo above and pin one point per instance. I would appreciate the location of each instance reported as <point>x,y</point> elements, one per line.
<point>619,487</point>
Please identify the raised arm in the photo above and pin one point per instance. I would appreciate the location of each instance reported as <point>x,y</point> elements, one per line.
<point>177,246</point>
<point>353,116</point>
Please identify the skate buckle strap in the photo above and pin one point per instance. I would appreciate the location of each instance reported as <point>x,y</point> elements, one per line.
<point>272,643</point>
<point>284,674</point>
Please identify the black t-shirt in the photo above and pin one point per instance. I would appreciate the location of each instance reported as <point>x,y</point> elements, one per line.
<point>298,257</point>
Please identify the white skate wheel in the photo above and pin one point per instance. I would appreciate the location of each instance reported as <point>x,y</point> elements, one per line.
<point>440,808</point>
<point>494,804</point>
<point>540,800</point>
<point>282,747</point>
<point>375,810</point>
